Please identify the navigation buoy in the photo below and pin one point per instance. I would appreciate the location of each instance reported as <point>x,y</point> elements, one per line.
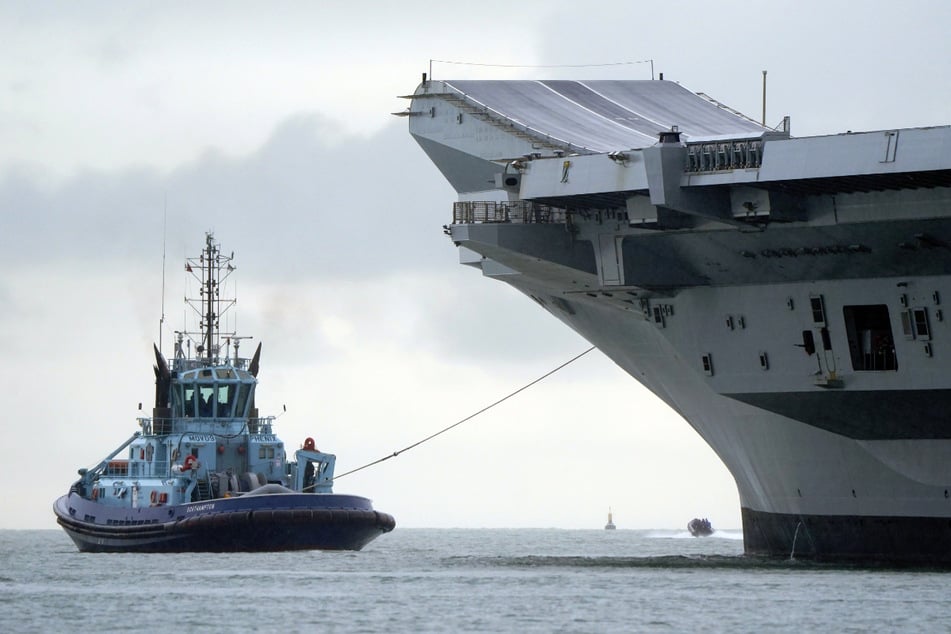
<point>610,525</point>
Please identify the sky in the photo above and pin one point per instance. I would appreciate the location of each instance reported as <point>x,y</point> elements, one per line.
<point>128,130</point>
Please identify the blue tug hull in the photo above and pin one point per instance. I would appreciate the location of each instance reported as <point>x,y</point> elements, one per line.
<point>251,523</point>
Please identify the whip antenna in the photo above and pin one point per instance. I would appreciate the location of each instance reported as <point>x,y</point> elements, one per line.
<point>164,238</point>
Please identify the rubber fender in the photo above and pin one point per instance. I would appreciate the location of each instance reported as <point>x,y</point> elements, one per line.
<point>341,517</point>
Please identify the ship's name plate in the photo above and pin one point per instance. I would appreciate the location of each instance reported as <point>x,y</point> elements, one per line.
<point>200,438</point>
<point>200,507</point>
<point>264,438</point>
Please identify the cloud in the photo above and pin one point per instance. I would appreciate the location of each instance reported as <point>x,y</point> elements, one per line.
<point>328,228</point>
<point>322,222</point>
<point>330,205</point>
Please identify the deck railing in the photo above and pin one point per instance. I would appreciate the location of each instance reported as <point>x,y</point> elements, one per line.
<point>183,364</point>
<point>164,426</point>
<point>518,211</point>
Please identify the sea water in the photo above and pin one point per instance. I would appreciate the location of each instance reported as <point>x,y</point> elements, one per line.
<point>462,580</point>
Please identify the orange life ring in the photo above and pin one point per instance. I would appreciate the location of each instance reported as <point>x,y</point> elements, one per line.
<point>189,462</point>
<point>95,493</point>
<point>309,444</point>
<point>153,497</point>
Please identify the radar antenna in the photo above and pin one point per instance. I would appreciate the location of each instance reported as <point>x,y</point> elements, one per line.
<point>210,269</point>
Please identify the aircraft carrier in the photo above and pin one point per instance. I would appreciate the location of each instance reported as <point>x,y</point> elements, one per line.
<point>784,295</point>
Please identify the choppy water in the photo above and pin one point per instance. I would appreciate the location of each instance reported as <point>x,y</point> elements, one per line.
<point>461,580</point>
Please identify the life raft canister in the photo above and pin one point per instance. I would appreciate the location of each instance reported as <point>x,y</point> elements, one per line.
<point>309,444</point>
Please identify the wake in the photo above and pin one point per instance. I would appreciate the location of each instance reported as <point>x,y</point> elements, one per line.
<point>731,534</point>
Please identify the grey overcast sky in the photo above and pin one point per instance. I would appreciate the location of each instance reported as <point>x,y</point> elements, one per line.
<point>270,124</point>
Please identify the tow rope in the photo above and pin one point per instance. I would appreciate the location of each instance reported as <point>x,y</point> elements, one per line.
<point>469,417</point>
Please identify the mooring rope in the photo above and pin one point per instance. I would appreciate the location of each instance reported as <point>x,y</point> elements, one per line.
<point>469,417</point>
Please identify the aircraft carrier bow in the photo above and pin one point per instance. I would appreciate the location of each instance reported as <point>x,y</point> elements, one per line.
<point>784,295</point>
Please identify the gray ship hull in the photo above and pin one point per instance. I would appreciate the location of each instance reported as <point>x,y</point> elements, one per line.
<point>803,490</point>
<point>783,295</point>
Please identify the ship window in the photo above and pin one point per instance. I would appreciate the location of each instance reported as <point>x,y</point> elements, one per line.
<point>177,400</point>
<point>914,324</point>
<point>270,452</point>
<point>808,342</point>
<point>871,344</point>
<point>707,362</point>
<point>206,404</point>
<point>262,453</point>
<point>920,321</point>
<point>226,400</point>
<point>906,328</point>
<point>243,391</point>
<point>818,310</point>
<point>189,400</point>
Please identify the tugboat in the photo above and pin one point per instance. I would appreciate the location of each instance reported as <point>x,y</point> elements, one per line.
<point>700,527</point>
<point>206,472</point>
<point>610,525</point>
